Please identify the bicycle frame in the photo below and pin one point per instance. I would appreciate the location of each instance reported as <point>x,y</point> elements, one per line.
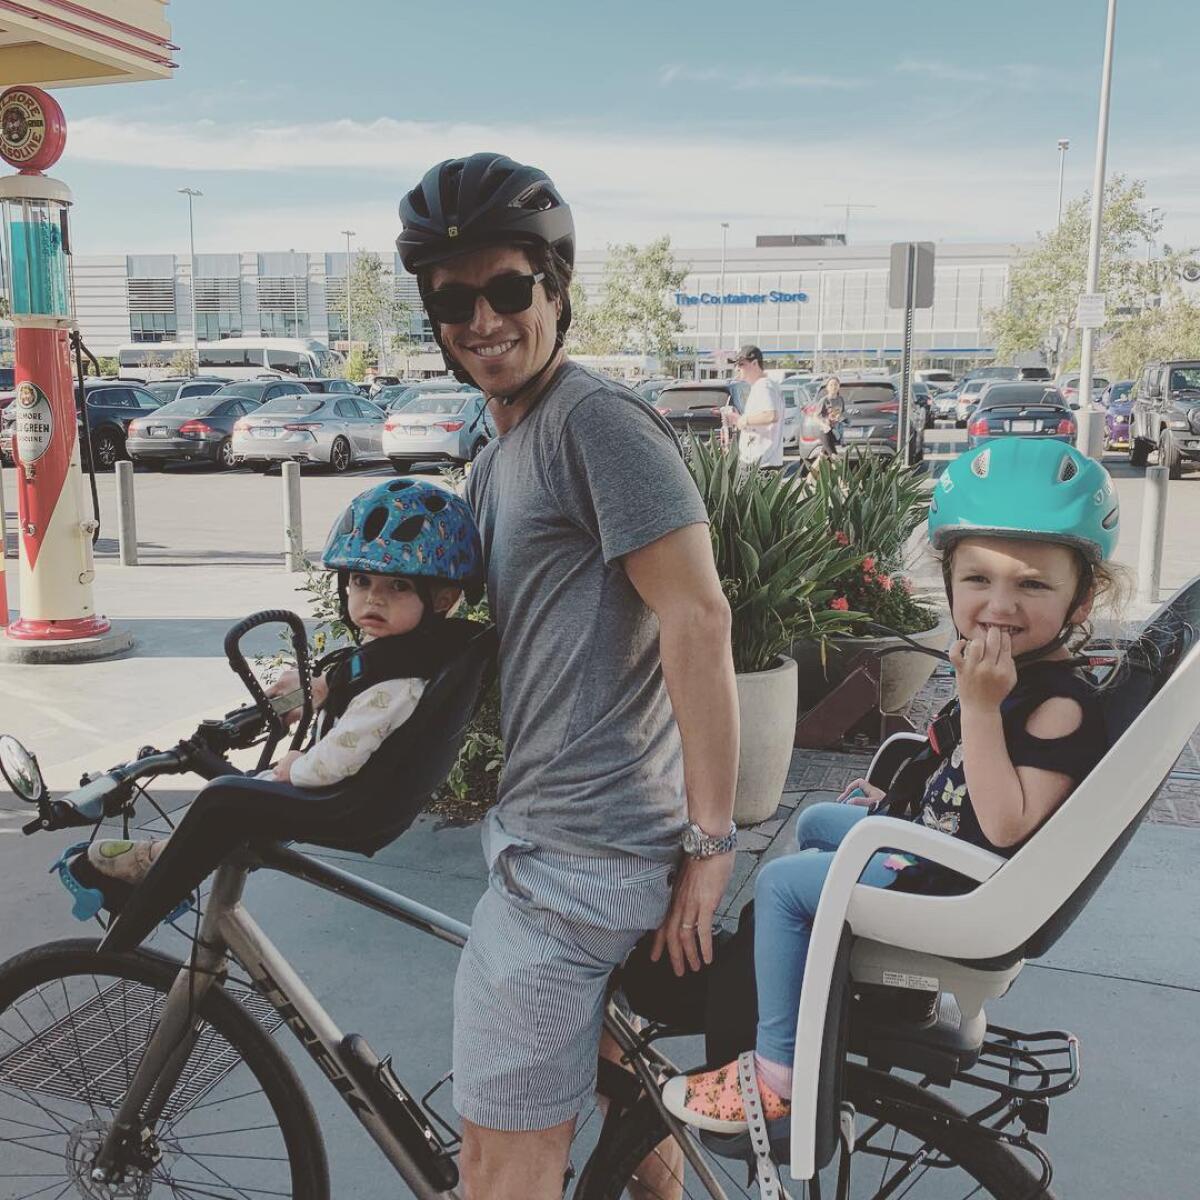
<point>228,930</point>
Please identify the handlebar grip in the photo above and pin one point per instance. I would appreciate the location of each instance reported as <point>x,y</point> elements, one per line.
<point>237,660</point>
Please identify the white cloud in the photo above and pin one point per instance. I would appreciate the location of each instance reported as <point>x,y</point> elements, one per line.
<point>747,80</point>
<point>622,185</point>
<point>1020,76</point>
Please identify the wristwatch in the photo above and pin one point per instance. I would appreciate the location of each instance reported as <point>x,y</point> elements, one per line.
<point>698,844</point>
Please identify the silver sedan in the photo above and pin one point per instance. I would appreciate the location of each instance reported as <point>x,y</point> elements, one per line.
<point>437,426</point>
<point>335,430</point>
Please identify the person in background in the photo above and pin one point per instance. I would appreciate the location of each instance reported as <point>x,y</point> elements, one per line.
<point>831,408</point>
<point>760,426</point>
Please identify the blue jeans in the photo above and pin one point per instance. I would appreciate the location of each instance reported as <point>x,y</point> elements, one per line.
<point>786,896</point>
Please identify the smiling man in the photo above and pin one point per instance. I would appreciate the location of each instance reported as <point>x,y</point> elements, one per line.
<point>618,704</point>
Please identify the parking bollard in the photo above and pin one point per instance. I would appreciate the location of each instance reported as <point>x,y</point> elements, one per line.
<point>293,535</point>
<point>1090,440</point>
<point>126,516</point>
<point>1154,526</point>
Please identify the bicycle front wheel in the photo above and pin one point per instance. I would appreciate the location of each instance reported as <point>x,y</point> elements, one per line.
<point>909,1144</point>
<point>74,1024</point>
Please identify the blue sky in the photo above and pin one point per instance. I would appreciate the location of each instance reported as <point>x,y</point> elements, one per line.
<point>654,117</point>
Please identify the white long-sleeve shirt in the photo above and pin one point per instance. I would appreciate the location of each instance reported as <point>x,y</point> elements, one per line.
<point>358,733</point>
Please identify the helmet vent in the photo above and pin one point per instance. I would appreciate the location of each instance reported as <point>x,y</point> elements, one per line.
<point>346,525</point>
<point>1067,469</point>
<point>373,525</point>
<point>1110,522</point>
<point>980,464</point>
<point>435,504</point>
<point>408,529</point>
<point>400,485</point>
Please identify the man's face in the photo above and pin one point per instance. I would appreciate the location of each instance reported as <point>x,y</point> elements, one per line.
<point>500,352</point>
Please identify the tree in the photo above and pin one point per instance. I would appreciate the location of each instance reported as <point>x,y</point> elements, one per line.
<point>376,311</point>
<point>634,313</point>
<point>108,365</point>
<point>183,362</point>
<point>1045,284</point>
<point>1171,331</point>
<point>356,365</point>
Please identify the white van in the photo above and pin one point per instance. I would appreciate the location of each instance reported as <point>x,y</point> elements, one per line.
<point>234,358</point>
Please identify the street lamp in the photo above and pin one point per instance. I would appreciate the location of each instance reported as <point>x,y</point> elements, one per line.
<point>296,291</point>
<point>721,298</point>
<point>1093,270</point>
<point>191,194</point>
<point>1064,144</point>
<point>1154,211</point>
<point>349,233</point>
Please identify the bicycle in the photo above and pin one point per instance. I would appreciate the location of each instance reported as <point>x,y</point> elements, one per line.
<point>127,1073</point>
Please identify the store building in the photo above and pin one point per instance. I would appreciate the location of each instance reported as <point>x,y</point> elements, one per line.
<point>795,301</point>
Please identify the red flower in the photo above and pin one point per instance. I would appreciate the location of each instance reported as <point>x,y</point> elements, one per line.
<point>885,582</point>
<point>868,565</point>
<point>840,603</point>
<point>841,538</point>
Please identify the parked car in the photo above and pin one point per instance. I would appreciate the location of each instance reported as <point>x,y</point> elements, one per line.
<point>968,397</point>
<point>1166,415</point>
<point>945,405</point>
<point>335,430</point>
<point>797,395</point>
<point>343,387</point>
<point>379,382</point>
<point>1021,410</point>
<point>394,398</point>
<point>1069,386</point>
<point>180,389</point>
<point>438,426</point>
<point>1034,374</point>
<point>649,389</point>
<point>870,422</point>
<point>936,380</point>
<point>695,407</point>
<point>262,390</point>
<point>1011,373</point>
<point>191,429</point>
<point>922,399</point>
<point>1117,402</point>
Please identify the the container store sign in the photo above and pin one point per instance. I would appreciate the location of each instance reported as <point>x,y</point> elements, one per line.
<point>684,299</point>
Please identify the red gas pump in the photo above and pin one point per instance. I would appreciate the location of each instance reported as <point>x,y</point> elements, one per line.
<point>54,524</point>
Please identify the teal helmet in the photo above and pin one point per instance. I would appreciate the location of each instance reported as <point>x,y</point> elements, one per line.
<point>1039,489</point>
<point>409,527</point>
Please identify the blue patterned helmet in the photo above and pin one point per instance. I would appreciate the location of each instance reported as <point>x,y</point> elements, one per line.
<point>409,527</point>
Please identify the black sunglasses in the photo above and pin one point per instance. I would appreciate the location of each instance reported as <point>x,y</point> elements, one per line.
<point>506,294</point>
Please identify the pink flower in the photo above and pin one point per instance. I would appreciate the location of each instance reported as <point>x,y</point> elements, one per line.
<point>841,538</point>
<point>885,582</point>
<point>868,565</point>
<point>906,584</point>
<point>840,603</point>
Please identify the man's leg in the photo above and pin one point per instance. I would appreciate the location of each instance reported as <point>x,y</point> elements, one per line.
<point>501,1165</point>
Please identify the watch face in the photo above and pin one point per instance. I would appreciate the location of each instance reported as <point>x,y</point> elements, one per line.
<point>691,840</point>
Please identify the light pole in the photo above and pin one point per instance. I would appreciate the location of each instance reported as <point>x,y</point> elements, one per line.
<point>1064,144</point>
<point>721,297</point>
<point>1154,211</point>
<point>1093,270</point>
<point>296,292</point>
<point>349,233</point>
<point>191,194</point>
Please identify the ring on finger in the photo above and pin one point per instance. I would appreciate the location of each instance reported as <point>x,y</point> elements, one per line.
<point>685,926</point>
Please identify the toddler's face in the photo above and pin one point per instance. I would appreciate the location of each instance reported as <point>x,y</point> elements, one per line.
<point>384,605</point>
<point>1024,588</point>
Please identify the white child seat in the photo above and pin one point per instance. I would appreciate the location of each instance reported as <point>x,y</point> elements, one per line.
<point>972,946</point>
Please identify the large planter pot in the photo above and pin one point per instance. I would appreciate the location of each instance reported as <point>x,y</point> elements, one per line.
<point>903,675</point>
<point>767,709</point>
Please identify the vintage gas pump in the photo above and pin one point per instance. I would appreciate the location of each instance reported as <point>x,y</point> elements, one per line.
<point>54,524</point>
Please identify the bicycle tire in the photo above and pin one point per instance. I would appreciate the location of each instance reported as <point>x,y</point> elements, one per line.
<point>36,972</point>
<point>994,1166</point>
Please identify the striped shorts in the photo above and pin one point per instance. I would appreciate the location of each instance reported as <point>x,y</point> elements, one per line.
<point>529,996</point>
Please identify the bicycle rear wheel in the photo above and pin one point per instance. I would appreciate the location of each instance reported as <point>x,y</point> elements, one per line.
<point>906,1148</point>
<point>74,1024</point>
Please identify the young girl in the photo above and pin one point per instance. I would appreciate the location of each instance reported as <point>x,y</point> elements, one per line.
<point>1023,528</point>
<point>404,552</point>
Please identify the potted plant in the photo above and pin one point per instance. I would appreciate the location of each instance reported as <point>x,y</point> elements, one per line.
<point>872,505</point>
<point>777,563</point>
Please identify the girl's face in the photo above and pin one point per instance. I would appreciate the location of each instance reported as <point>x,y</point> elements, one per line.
<point>1024,588</point>
<point>383,605</point>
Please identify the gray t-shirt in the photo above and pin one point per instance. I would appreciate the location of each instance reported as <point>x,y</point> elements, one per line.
<point>594,763</point>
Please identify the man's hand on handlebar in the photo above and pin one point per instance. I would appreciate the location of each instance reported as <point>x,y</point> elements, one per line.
<point>289,681</point>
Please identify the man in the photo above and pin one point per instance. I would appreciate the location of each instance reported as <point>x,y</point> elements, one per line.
<point>760,426</point>
<point>618,702</point>
<point>830,412</point>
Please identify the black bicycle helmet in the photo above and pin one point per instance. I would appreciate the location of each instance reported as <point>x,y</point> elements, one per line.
<point>466,204</point>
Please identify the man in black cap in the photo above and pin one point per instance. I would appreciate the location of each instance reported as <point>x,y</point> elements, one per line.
<point>760,426</point>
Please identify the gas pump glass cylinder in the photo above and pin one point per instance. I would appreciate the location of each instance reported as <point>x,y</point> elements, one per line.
<point>37,257</point>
